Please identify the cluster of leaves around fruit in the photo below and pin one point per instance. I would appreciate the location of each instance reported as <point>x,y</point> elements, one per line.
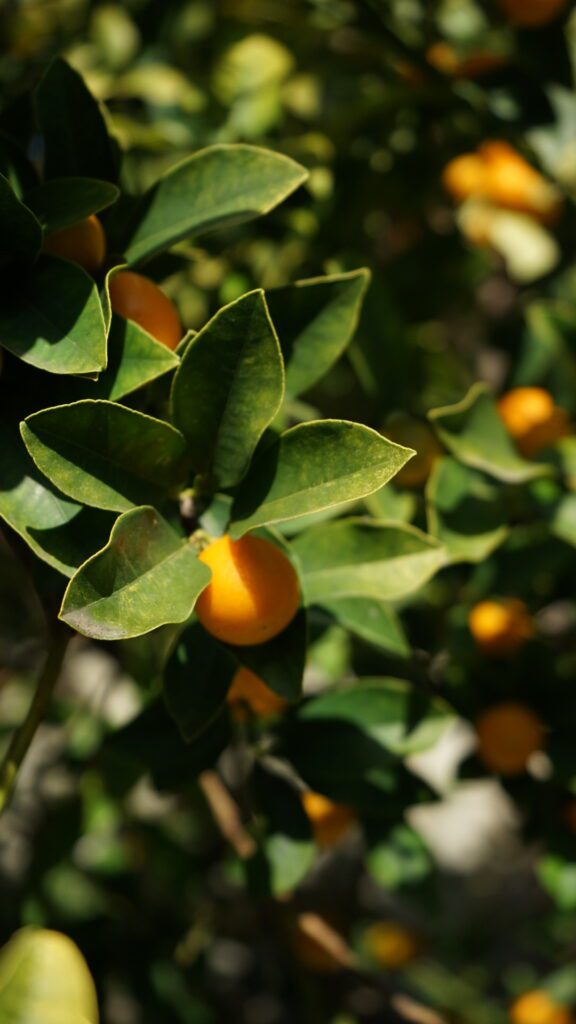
<point>114,498</point>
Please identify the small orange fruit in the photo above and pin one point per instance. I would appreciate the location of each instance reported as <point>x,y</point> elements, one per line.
<point>511,182</point>
<point>330,821</point>
<point>538,1007</point>
<point>139,299</point>
<point>508,734</point>
<point>249,691</point>
<point>464,177</point>
<point>254,592</point>
<point>390,945</point>
<point>445,58</point>
<point>415,434</point>
<point>532,418</point>
<point>532,13</point>
<point>83,243</point>
<point>500,626</point>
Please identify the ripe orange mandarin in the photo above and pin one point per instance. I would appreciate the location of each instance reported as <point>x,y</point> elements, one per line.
<point>254,592</point>
<point>248,690</point>
<point>390,944</point>
<point>508,734</point>
<point>511,182</point>
<point>83,243</point>
<point>538,1007</point>
<point>330,821</point>
<point>532,418</point>
<point>500,626</point>
<point>137,298</point>
<point>532,13</point>
<point>464,177</point>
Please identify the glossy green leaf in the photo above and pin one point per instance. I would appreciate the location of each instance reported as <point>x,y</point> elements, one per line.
<point>391,712</point>
<point>134,360</point>
<point>465,511</point>
<point>64,201</point>
<point>76,140</point>
<point>54,321</point>
<point>217,187</point>
<point>196,680</point>
<point>311,467</point>
<point>106,455</point>
<point>363,558</point>
<point>370,620</point>
<point>145,577</point>
<point>62,533</point>
<point>228,388</point>
<point>44,978</point>
<point>279,662</point>
<point>20,231</point>
<point>474,433</point>
<point>315,320</point>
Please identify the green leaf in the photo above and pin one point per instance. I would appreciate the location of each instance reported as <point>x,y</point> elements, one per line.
<point>145,577</point>
<point>44,977</point>
<point>363,558</point>
<point>64,201</point>
<point>311,467</point>
<point>15,165</point>
<point>196,680</point>
<point>288,845</point>
<point>370,620</point>
<point>106,455</point>
<point>563,523</point>
<point>228,388</point>
<point>134,360</point>
<point>315,320</point>
<point>400,859</point>
<point>217,187</point>
<point>400,719</point>
<point>473,431</point>
<point>465,511</point>
<point>54,321</point>
<point>76,140</point>
<point>61,532</point>
<point>279,662</point>
<point>20,232</point>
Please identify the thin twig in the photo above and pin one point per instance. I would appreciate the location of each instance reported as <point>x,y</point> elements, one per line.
<point>226,814</point>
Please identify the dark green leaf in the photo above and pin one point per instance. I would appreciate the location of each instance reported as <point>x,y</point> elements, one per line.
<point>465,511</point>
<point>288,845</point>
<point>363,558</point>
<point>54,320</point>
<point>311,467</point>
<point>20,232</point>
<point>145,577</point>
<point>228,388</point>
<point>280,661</point>
<point>76,140</point>
<point>473,431</point>
<point>315,320</point>
<point>106,455</point>
<point>370,620</point>
<point>64,201</point>
<point>134,360</point>
<point>196,680</point>
<point>217,187</point>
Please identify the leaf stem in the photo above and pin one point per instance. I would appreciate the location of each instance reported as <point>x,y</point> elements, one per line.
<point>24,735</point>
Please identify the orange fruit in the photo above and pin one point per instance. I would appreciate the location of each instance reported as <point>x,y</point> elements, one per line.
<point>415,434</point>
<point>330,821</point>
<point>83,243</point>
<point>390,945</point>
<point>532,418</point>
<point>538,1007</point>
<point>248,690</point>
<point>464,176</point>
<point>508,734</point>
<point>511,182</point>
<point>254,592</point>
<point>444,58</point>
<point>500,626</point>
<point>139,299</point>
<point>532,13</point>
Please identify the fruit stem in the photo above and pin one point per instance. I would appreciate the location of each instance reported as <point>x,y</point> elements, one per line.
<point>24,735</point>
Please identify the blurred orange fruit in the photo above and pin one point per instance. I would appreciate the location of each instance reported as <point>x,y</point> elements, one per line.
<point>500,626</point>
<point>465,176</point>
<point>445,58</point>
<point>139,299</point>
<point>532,13</point>
<point>508,734</point>
<point>390,944</point>
<point>254,592</point>
<point>249,691</point>
<point>499,174</point>
<point>83,243</point>
<point>538,1007</point>
<point>532,418</point>
<point>330,821</point>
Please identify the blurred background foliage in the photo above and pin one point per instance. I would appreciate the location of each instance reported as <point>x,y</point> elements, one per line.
<point>472,895</point>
